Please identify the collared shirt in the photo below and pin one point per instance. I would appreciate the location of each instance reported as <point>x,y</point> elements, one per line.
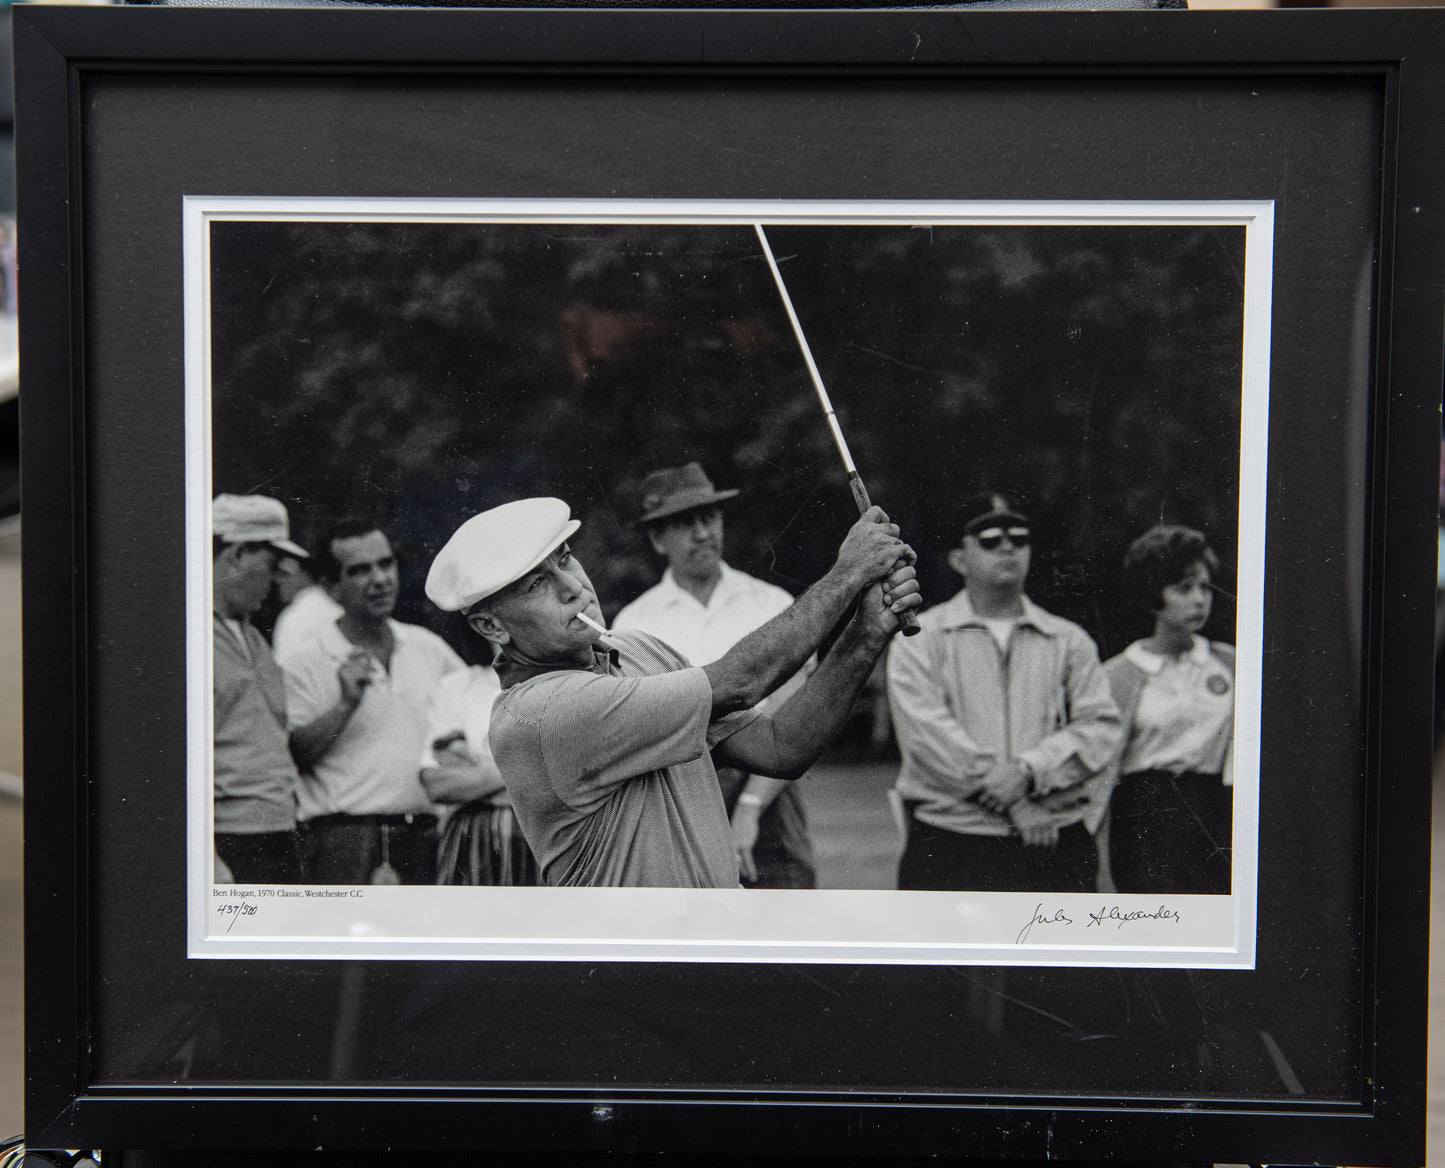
<point>1184,714</point>
<point>703,633</point>
<point>254,777</point>
<point>371,768</point>
<point>609,770</point>
<point>960,704</point>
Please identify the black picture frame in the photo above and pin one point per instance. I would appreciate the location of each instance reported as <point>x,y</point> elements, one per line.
<point>1330,114</point>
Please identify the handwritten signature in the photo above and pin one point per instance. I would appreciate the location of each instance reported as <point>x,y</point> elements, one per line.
<point>1119,917</point>
<point>1039,919</point>
<point>1110,914</point>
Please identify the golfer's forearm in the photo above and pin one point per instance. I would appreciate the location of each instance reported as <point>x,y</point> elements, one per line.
<point>790,741</point>
<point>764,659</point>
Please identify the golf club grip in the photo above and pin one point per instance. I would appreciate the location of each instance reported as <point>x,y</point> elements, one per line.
<point>909,620</point>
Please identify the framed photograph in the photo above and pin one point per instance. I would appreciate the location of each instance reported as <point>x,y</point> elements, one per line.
<point>1131,324</point>
<point>1221,252</point>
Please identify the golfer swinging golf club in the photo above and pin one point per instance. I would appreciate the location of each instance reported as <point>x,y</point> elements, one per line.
<point>604,739</point>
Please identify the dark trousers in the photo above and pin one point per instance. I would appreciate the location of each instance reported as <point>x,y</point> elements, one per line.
<point>1171,833</point>
<point>951,861</point>
<point>268,857</point>
<point>370,849</point>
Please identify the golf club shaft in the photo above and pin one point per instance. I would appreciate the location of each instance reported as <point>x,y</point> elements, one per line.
<point>908,620</point>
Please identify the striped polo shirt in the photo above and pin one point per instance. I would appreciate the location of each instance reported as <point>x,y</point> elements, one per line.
<point>609,768</point>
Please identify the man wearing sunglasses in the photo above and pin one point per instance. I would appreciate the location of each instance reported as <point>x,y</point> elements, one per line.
<point>1005,723</point>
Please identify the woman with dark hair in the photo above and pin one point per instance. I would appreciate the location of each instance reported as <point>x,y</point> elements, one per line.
<point>1171,812</point>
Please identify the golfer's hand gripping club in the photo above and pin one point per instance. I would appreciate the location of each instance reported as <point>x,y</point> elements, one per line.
<point>907,619</point>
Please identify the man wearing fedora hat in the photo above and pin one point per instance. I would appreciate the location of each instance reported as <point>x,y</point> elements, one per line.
<point>1005,723</point>
<point>702,607</point>
<point>253,776</point>
<point>604,739</point>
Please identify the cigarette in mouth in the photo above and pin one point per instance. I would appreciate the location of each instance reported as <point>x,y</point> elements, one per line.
<point>603,637</point>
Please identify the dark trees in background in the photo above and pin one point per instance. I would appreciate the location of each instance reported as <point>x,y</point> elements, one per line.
<point>423,372</point>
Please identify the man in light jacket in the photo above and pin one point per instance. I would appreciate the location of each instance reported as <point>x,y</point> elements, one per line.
<point>1006,725</point>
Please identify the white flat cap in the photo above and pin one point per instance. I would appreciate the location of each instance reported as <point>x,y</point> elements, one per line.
<point>491,550</point>
<point>253,519</point>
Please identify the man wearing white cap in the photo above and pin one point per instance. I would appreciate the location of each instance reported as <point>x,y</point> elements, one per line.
<point>358,692</point>
<point>604,740</point>
<point>254,778</point>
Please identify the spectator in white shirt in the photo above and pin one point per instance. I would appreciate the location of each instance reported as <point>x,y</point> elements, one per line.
<point>357,695</point>
<point>702,607</point>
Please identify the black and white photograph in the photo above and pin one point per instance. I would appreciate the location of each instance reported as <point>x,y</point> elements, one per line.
<point>726,581</point>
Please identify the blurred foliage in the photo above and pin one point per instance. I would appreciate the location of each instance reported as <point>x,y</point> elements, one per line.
<point>423,371</point>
